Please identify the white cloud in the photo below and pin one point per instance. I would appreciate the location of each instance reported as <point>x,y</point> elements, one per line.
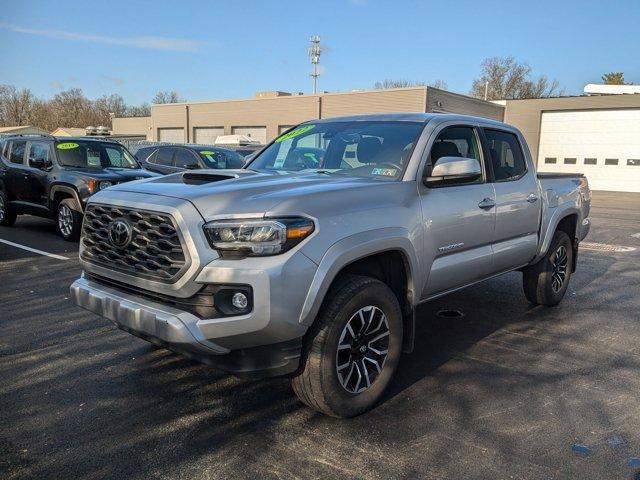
<point>153,43</point>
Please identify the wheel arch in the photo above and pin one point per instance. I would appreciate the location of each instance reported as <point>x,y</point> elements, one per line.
<point>565,220</point>
<point>386,254</point>
<point>57,193</point>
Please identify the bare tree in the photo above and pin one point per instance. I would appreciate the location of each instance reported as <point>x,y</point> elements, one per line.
<point>391,83</point>
<point>166,96</point>
<point>440,84</point>
<point>507,78</point>
<point>15,105</point>
<point>613,78</point>
<point>143,110</point>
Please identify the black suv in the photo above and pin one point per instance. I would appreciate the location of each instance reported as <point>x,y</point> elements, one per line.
<point>53,176</point>
<point>176,158</point>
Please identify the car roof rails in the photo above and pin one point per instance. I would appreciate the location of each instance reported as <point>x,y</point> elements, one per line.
<point>45,135</point>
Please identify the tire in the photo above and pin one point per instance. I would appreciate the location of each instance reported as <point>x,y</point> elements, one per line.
<point>319,385</point>
<point>69,219</point>
<point>540,285</point>
<point>7,214</point>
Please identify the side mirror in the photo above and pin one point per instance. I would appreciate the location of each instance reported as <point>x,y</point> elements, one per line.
<point>191,166</point>
<point>453,170</point>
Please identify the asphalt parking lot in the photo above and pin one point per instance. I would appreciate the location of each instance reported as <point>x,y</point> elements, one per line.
<point>506,391</point>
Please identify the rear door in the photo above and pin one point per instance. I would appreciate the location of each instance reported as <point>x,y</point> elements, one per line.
<point>515,239</point>
<point>458,218</point>
<point>17,173</point>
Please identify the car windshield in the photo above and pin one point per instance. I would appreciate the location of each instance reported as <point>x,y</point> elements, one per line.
<point>365,149</point>
<point>218,158</point>
<point>92,154</point>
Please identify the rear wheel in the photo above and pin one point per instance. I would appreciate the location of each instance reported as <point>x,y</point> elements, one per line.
<point>354,348</point>
<point>7,214</point>
<point>546,282</point>
<point>69,219</point>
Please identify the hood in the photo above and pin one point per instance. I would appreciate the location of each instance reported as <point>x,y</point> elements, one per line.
<point>114,174</point>
<point>217,193</point>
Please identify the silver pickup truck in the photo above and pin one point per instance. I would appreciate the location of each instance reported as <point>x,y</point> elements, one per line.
<point>311,261</point>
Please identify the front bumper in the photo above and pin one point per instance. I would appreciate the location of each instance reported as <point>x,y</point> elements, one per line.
<point>264,342</point>
<point>150,320</point>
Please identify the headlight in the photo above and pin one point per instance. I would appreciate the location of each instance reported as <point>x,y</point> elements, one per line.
<point>257,237</point>
<point>103,185</point>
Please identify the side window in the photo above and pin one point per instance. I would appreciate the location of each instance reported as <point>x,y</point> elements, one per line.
<point>164,157</point>
<point>185,159</point>
<point>17,151</point>
<point>5,150</point>
<point>506,155</point>
<point>151,158</point>
<point>39,154</point>
<point>455,142</point>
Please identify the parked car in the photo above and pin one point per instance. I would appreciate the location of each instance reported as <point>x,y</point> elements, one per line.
<point>53,177</point>
<point>316,273</point>
<point>166,159</point>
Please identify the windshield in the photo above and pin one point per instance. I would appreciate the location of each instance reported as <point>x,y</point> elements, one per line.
<point>218,158</point>
<point>365,149</point>
<point>92,154</point>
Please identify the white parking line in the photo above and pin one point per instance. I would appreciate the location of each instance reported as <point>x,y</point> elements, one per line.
<point>34,250</point>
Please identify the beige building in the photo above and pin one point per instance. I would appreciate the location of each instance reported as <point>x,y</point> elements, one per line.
<point>598,135</point>
<point>22,130</point>
<point>262,118</point>
<point>69,132</point>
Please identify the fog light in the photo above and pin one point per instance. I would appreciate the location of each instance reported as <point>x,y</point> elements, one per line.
<point>239,300</point>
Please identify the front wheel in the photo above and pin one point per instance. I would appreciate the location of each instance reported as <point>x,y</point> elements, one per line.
<point>546,282</point>
<point>354,349</point>
<point>7,214</point>
<point>69,219</point>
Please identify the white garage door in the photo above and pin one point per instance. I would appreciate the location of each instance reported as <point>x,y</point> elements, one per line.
<point>171,135</point>
<point>207,135</point>
<point>602,144</point>
<point>255,133</point>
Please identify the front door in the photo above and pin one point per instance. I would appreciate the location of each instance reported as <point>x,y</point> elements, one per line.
<point>459,218</point>
<point>38,164</point>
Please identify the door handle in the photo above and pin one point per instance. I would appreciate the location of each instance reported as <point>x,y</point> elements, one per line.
<point>532,198</point>
<point>487,203</point>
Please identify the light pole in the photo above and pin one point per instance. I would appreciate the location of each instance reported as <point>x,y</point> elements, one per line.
<point>314,52</point>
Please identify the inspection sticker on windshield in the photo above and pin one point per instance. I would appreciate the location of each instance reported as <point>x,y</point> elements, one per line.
<point>295,133</point>
<point>207,152</point>
<point>67,146</point>
<point>386,172</point>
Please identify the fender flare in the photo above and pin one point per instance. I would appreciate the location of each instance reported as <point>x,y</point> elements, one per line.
<point>557,216</point>
<point>66,189</point>
<point>353,248</point>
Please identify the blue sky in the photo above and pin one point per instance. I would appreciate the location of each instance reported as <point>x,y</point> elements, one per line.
<point>230,49</point>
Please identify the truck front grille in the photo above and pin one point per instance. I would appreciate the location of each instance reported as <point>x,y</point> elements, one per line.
<point>153,249</point>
